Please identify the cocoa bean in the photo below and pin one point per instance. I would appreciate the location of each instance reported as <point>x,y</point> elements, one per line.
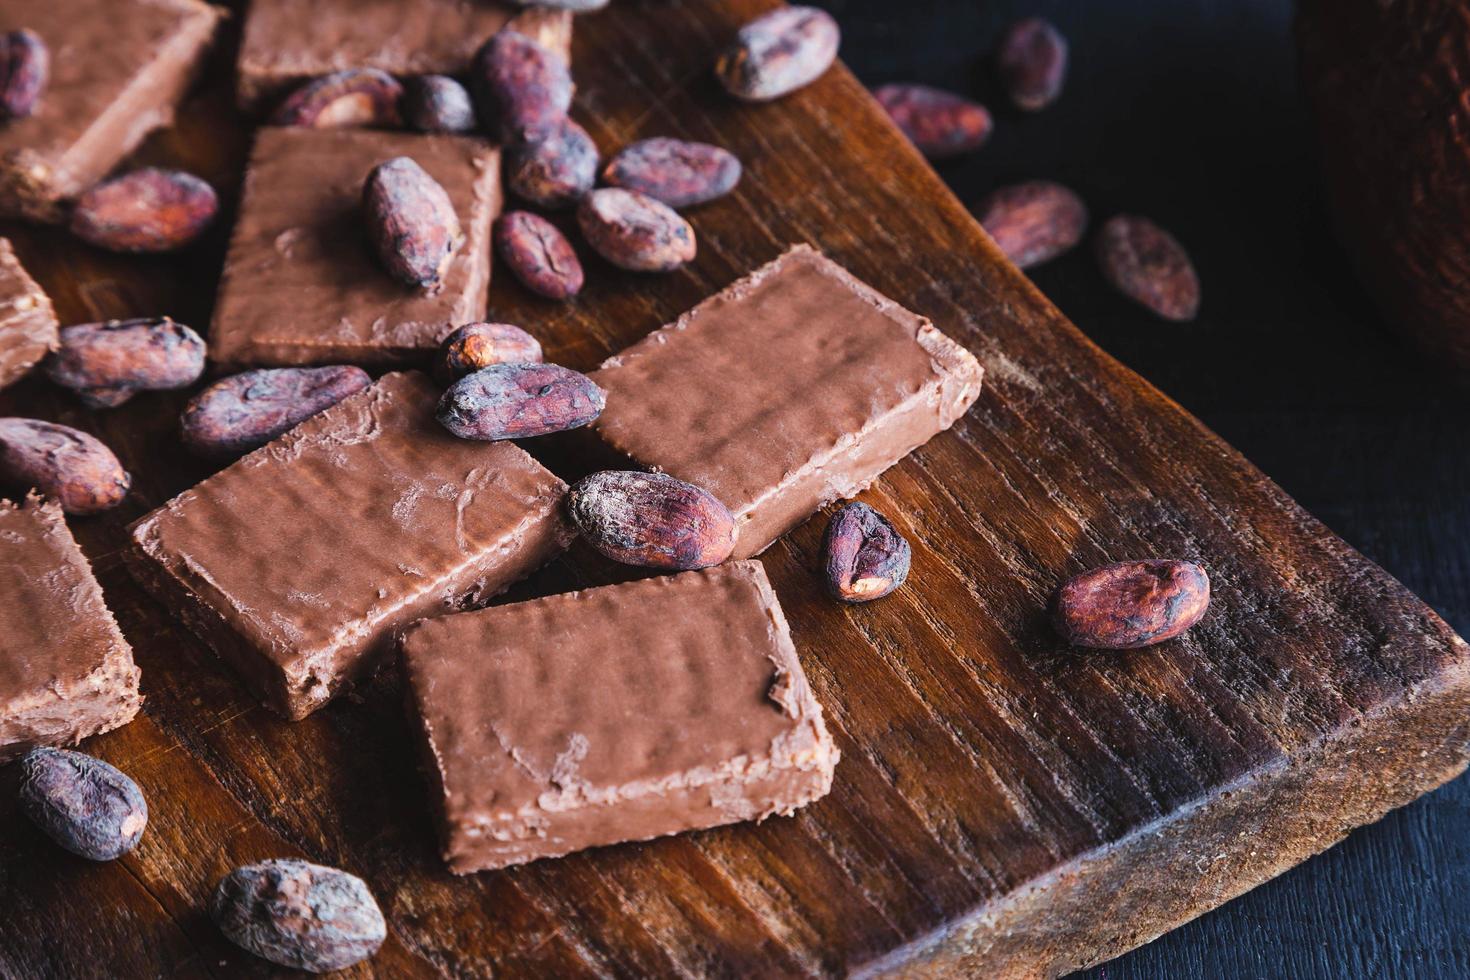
<point>479,345</point>
<point>679,173</point>
<point>411,222</point>
<point>25,68</point>
<point>577,6</point>
<point>106,363</point>
<point>538,254</point>
<point>61,462</point>
<point>1148,265</point>
<point>437,104</point>
<point>863,555</point>
<point>941,124</point>
<point>651,519</point>
<point>635,232</point>
<point>351,98</point>
<point>244,411</point>
<point>1131,604</point>
<point>300,915</point>
<point>1032,63</point>
<point>87,806</point>
<point>1033,222</point>
<point>555,167</point>
<point>521,88</point>
<point>148,210</point>
<point>518,401</point>
<point>778,53</point>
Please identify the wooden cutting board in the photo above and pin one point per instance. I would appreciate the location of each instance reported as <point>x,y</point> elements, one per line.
<point>1004,805</point>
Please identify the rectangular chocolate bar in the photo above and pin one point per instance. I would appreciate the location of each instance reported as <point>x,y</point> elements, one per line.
<point>65,670</point>
<point>299,562</point>
<point>27,321</point>
<point>301,285</point>
<point>615,714</point>
<point>794,387</point>
<point>118,70</point>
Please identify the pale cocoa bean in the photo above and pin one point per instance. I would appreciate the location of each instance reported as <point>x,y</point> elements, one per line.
<point>1032,63</point>
<point>863,555</point>
<point>351,98</point>
<point>299,915</point>
<point>437,104</point>
<point>651,519</point>
<point>411,222</point>
<point>554,168</point>
<point>1148,265</point>
<point>519,401</point>
<point>941,124</point>
<point>679,173</point>
<point>25,68</point>
<point>1131,604</point>
<point>87,806</point>
<point>538,254</point>
<point>106,363</point>
<point>479,345</point>
<point>779,53</point>
<point>635,232</point>
<point>72,467</point>
<point>244,411</point>
<point>148,210</point>
<point>521,88</point>
<point>1033,222</point>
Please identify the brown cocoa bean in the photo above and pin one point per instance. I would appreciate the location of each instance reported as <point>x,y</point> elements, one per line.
<point>518,401</point>
<point>1033,222</point>
<point>300,915</point>
<point>554,168</point>
<point>521,88</point>
<point>84,804</point>
<point>437,104</point>
<point>106,363</point>
<point>635,232</point>
<point>941,124</point>
<point>652,520</point>
<point>244,411</point>
<point>679,173</point>
<point>148,210</point>
<point>1148,265</point>
<point>25,68</point>
<point>1131,604</point>
<point>68,465</point>
<point>778,53</point>
<point>538,254</point>
<point>343,99</point>
<point>411,222</point>
<point>479,345</point>
<point>1032,63</point>
<point>863,555</point>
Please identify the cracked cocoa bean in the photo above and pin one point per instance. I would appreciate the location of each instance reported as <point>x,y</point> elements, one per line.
<point>521,87</point>
<point>437,104</point>
<point>1148,265</point>
<point>479,345</point>
<point>25,68</point>
<point>148,210</point>
<point>941,124</point>
<point>411,222</point>
<point>245,411</point>
<point>863,555</point>
<point>1131,604</point>
<point>344,99</point>
<point>778,53</point>
<point>106,363</point>
<point>635,232</point>
<point>518,401</point>
<point>538,254</point>
<point>300,915</point>
<point>652,520</point>
<point>87,806</point>
<point>68,465</point>
<point>679,173</point>
<point>553,169</point>
<point>1033,222</point>
<point>1032,63</point>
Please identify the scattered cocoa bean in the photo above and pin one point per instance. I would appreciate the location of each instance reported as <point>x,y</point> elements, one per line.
<point>1032,63</point>
<point>437,104</point>
<point>87,806</point>
<point>148,210</point>
<point>863,555</point>
<point>538,254</point>
<point>343,99</point>
<point>554,168</point>
<point>518,401</point>
<point>479,345</point>
<point>778,53</point>
<point>1148,265</point>
<point>635,232</point>
<point>1132,604</point>
<point>25,67</point>
<point>61,462</point>
<point>300,915</point>
<point>941,124</point>
<point>679,173</point>
<point>1034,222</point>
<point>244,411</point>
<point>521,88</point>
<point>106,363</point>
<point>577,6</point>
<point>411,222</point>
<point>651,519</point>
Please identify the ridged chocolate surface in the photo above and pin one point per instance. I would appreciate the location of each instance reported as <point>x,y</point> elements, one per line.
<point>27,320</point>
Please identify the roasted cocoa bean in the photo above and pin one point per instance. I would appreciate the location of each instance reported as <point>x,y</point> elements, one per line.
<point>679,173</point>
<point>518,401</point>
<point>344,99</point>
<point>299,915</point>
<point>521,88</point>
<point>1034,222</point>
<point>437,104</point>
<point>244,411</point>
<point>554,168</point>
<point>109,362</point>
<point>68,465</point>
<point>148,210</point>
<point>1148,265</point>
<point>87,806</point>
<point>1132,604</point>
<point>577,6</point>
<point>863,555</point>
<point>538,254</point>
<point>651,519</point>
<point>941,124</point>
<point>25,67</point>
<point>411,222</point>
<point>635,232</point>
<point>1032,63</point>
<point>779,53</point>
<point>479,345</point>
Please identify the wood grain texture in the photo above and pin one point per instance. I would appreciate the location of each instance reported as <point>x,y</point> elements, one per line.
<point>1003,805</point>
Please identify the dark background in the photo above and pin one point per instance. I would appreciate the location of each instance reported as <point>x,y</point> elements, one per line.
<point>1187,111</point>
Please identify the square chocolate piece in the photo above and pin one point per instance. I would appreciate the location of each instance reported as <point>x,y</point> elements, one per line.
<point>615,714</point>
<point>65,670</point>
<point>118,70</point>
<point>298,563</point>
<point>302,284</point>
<point>794,387</point>
<point>27,321</point>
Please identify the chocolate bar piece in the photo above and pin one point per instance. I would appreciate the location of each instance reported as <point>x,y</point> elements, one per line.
<point>615,714</point>
<point>794,387</point>
<point>298,563</point>
<point>65,670</point>
<point>118,70</point>
<point>301,285</point>
<point>27,321</point>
